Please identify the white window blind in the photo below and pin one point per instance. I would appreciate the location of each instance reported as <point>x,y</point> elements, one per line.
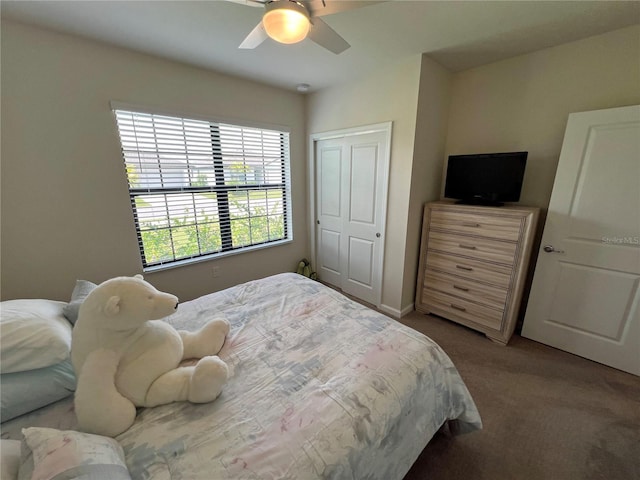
<point>201,188</point>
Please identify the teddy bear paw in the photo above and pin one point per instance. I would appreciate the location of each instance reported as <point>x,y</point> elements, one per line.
<point>219,325</point>
<point>209,376</point>
<point>211,337</point>
<point>205,342</point>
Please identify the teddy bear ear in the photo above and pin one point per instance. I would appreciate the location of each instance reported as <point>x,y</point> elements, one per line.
<point>138,276</point>
<point>112,306</point>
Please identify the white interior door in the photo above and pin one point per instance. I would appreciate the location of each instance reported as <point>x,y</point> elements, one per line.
<point>585,293</point>
<point>329,187</point>
<point>351,186</point>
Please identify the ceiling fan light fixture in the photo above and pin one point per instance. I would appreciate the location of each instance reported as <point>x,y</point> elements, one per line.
<point>286,21</point>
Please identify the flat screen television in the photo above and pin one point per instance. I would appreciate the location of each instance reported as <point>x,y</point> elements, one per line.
<point>485,178</point>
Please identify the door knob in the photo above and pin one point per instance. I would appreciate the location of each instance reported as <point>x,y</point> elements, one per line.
<point>378,235</point>
<point>550,249</point>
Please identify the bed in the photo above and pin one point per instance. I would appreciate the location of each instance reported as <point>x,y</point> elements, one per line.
<point>320,387</point>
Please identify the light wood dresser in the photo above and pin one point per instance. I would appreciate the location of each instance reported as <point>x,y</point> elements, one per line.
<point>473,264</point>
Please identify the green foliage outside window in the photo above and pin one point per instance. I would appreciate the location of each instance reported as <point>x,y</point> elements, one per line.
<point>248,226</point>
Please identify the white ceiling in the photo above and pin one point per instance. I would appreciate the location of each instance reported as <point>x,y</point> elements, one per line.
<point>457,34</point>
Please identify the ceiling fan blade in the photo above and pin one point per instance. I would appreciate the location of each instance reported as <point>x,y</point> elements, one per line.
<point>249,3</point>
<point>255,38</point>
<point>318,8</point>
<point>326,37</point>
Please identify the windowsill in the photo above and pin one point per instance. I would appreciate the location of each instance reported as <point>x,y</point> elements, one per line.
<point>214,256</point>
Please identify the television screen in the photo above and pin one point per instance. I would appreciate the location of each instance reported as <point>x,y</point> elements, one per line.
<point>485,179</point>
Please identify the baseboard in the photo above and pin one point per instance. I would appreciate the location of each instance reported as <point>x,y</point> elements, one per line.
<point>408,309</point>
<point>394,312</point>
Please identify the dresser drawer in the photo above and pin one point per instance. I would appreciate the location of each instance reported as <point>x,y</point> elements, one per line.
<point>458,309</point>
<point>486,294</point>
<point>480,248</point>
<point>492,226</point>
<point>473,264</point>
<point>493,273</point>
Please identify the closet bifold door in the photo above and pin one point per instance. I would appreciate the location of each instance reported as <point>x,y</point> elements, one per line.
<point>350,181</point>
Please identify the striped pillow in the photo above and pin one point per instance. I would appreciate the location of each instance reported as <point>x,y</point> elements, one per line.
<point>64,455</point>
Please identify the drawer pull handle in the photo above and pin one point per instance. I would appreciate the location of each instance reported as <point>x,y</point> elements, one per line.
<point>464,289</point>
<point>474,225</point>
<point>462,267</point>
<point>468,247</point>
<point>457,307</point>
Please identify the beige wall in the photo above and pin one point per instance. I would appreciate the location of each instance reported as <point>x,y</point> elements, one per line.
<point>523,103</point>
<point>430,137</point>
<point>65,210</point>
<point>388,95</point>
<point>65,206</point>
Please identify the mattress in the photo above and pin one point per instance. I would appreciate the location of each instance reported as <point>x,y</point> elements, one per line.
<point>320,387</point>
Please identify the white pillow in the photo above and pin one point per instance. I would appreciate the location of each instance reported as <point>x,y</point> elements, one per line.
<point>9,459</point>
<point>33,334</point>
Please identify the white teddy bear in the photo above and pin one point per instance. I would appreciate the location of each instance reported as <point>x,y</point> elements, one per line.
<point>124,356</point>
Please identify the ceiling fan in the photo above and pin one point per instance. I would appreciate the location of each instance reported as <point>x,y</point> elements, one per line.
<point>291,21</point>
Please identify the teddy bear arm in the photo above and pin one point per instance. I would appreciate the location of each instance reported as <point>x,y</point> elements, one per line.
<point>99,407</point>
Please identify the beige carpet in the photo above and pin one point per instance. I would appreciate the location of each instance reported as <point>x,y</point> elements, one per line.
<point>547,414</point>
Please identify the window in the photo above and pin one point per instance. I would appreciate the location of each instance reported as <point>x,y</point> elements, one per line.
<point>202,189</point>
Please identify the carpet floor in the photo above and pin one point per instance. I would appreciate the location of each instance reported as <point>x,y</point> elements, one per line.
<point>546,414</point>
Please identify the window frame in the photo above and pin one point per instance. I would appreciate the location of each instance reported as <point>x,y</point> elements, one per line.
<point>219,188</point>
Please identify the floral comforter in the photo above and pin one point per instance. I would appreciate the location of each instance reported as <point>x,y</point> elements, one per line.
<point>320,388</point>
